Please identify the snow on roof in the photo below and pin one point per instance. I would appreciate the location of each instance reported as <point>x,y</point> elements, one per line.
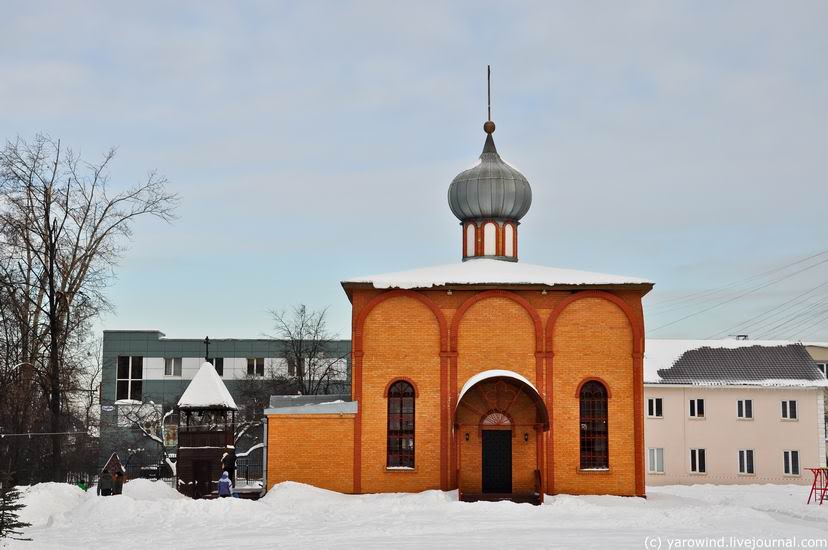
<point>331,407</point>
<point>489,271</point>
<point>206,390</point>
<point>495,373</point>
<point>777,366</point>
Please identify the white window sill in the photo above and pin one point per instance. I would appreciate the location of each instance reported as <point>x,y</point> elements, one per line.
<point>128,402</point>
<point>696,418</point>
<point>698,473</point>
<point>743,419</point>
<point>789,419</point>
<point>655,473</point>
<point>655,417</point>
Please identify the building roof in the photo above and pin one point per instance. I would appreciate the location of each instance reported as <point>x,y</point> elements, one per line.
<point>311,404</point>
<point>485,271</point>
<point>491,189</point>
<point>207,391</point>
<point>730,362</point>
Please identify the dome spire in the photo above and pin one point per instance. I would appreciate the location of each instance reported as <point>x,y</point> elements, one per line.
<point>489,125</point>
<point>490,199</point>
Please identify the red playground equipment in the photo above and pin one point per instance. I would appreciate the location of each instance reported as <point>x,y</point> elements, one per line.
<point>819,488</point>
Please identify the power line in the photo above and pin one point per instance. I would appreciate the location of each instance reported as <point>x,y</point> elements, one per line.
<point>742,295</point>
<point>748,322</point>
<point>694,296</point>
<point>802,319</point>
<point>32,434</point>
<point>796,319</point>
<point>769,325</point>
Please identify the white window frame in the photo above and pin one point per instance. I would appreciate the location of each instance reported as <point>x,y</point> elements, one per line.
<point>471,236</point>
<point>654,406</point>
<point>175,364</point>
<point>787,410</point>
<point>698,456</point>
<point>742,409</point>
<point>823,368</point>
<point>130,379</point>
<point>655,458</point>
<point>508,240</point>
<point>744,462</point>
<point>787,463</point>
<point>256,373</point>
<point>693,408</point>
<point>490,239</point>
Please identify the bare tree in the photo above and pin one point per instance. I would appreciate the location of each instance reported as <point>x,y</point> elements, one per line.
<point>150,420</point>
<point>63,230</point>
<point>308,349</point>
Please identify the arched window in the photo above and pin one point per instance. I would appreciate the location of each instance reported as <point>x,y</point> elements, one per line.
<point>489,239</point>
<point>509,240</point>
<point>496,418</point>
<point>594,434</point>
<point>401,425</point>
<point>470,250</point>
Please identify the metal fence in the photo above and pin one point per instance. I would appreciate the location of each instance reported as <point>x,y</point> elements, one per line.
<point>249,470</point>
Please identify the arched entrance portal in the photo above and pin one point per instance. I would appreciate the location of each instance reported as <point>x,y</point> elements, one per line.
<point>499,423</point>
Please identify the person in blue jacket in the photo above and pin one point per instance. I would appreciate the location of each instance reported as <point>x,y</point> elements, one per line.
<point>225,485</point>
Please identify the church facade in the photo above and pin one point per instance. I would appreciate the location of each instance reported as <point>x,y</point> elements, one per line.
<point>501,379</point>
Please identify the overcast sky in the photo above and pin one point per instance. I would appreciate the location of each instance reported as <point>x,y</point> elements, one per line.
<point>684,142</point>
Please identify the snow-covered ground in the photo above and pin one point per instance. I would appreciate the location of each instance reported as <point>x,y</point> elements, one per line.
<point>151,515</point>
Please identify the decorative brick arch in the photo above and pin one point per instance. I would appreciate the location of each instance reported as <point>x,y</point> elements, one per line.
<point>357,352</point>
<point>622,305</point>
<point>359,323</point>
<point>637,330</point>
<point>409,381</point>
<point>581,385</point>
<point>533,314</point>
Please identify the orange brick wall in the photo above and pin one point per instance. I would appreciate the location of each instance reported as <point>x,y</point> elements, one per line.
<point>402,339</point>
<point>313,449</point>
<point>593,338</point>
<point>420,335</point>
<point>495,333</point>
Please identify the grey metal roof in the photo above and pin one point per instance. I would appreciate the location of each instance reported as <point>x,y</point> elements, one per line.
<point>492,189</point>
<point>743,365</point>
<point>300,400</point>
<point>311,404</point>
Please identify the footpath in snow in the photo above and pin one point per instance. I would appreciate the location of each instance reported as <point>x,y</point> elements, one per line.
<point>152,515</point>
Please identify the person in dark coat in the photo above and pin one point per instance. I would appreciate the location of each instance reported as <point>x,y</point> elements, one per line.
<point>228,462</point>
<point>118,483</point>
<point>225,485</point>
<point>104,484</point>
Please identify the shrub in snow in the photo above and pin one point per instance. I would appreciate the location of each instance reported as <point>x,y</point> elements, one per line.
<point>10,524</point>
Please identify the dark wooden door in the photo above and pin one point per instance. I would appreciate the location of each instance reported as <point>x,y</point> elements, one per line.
<point>497,461</point>
<point>201,476</point>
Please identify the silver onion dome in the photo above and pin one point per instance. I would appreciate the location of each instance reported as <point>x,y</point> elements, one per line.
<point>492,189</point>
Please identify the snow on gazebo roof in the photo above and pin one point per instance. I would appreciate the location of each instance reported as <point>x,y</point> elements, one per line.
<point>483,271</point>
<point>207,391</point>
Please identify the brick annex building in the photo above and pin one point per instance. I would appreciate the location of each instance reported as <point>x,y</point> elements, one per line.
<point>501,379</point>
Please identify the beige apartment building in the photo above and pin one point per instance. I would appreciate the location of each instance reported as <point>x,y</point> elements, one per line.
<point>734,411</point>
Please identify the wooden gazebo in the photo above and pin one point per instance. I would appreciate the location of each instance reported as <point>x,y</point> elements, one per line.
<point>206,426</point>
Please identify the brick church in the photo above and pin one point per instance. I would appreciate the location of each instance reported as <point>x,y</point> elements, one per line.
<point>498,378</point>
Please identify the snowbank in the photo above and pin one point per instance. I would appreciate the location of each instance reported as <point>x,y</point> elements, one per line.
<point>144,489</point>
<point>294,515</point>
<point>45,502</point>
